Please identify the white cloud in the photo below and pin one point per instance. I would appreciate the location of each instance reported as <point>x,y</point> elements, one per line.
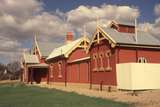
<point>10,56</point>
<point>13,13</point>
<point>8,44</point>
<point>21,19</point>
<point>46,25</point>
<point>20,8</point>
<point>157,9</point>
<point>156,27</point>
<point>105,13</point>
<point>153,28</point>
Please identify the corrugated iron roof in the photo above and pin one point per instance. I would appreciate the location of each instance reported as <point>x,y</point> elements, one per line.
<point>41,65</point>
<point>32,59</point>
<point>46,48</point>
<point>65,49</point>
<point>143,38</point>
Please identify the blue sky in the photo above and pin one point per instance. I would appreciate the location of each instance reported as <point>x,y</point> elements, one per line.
<point>146,7</point>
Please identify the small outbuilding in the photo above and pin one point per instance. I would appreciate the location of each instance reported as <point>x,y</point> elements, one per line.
<point>35,69</point>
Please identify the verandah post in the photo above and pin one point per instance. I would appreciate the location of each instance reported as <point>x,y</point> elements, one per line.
<point>90,70</point>
<point>31,76</point>
<point>65,68</point>
<point>48,73</point>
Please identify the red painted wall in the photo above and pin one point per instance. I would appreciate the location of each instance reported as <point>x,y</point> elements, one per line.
<point>73,73</point>
<point>77,54</point>
<point>152,56</point>
<point>123,28</point>
<point>132,54</point>
<point>126,29</point>
<point>84,72</point>
<point>107,77</point>
<point>77,72</point>
<point>42,60</point>
<point>55,72</point>
<point>126,55</point>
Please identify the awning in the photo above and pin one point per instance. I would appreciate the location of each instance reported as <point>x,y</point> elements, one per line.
<point>42,65</point>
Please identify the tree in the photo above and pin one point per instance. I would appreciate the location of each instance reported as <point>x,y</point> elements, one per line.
<point>13,69</point>
<point>2,67</point>
<point>2,70</point>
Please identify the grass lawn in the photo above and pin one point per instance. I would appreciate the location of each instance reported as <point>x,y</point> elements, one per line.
<point>18,95</point>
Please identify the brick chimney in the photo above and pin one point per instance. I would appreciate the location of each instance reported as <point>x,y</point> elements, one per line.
<point>69,37</point>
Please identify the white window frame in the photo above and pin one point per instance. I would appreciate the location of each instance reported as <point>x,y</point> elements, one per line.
<point>108,55</point>
<point>95,59</point>
<point>101,56</point>
<point>142,60</point>
<point>60,69</point>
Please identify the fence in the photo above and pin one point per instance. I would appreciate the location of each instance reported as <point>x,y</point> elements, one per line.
<point>138,76</point>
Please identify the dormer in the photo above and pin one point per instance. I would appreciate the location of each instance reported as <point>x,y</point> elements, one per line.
<point>123,27</point>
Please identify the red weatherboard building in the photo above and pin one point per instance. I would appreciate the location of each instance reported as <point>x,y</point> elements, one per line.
<point>34,67</point>
<point>70,63</point>
<point>119,44</point>
<point>78,61</point>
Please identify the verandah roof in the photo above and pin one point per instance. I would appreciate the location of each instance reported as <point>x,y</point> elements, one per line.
<point>30,59</point>
<point>42,65</point>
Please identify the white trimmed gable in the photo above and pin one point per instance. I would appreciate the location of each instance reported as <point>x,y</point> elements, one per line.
<point>67,49</point>
<point>101,35</point>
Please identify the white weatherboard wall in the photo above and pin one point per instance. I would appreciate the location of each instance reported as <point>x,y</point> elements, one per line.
<point>138,76</point>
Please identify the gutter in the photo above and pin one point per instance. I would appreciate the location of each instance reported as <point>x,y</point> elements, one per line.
<point>79,60</point>
<point>55,58</point>
<point>138,46</point>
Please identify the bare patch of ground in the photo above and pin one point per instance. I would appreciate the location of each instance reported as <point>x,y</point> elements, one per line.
<point>9,81</point>
<point>150,98</point>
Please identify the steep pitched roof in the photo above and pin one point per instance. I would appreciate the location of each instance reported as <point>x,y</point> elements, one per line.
<point>143,38</point>
<point>66,49</point>
<point>30,59</point>
<point>115,38</point>
<point>46,48</point>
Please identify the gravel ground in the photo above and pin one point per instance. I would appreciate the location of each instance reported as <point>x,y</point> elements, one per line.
<point>150,98</point>
<point>9,81</point>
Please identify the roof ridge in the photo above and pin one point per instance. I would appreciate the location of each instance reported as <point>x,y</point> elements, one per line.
<point>70,42</point>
